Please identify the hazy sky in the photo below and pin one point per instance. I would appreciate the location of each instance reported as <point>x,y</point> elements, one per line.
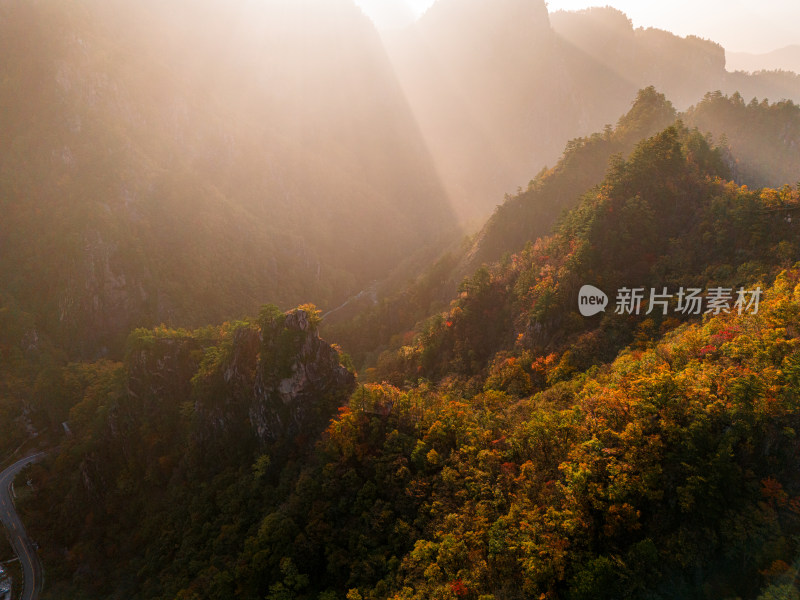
<point>739,25</point>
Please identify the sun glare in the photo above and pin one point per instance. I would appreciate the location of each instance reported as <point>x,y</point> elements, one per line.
<point>744,26</point>
<point>390,14</point>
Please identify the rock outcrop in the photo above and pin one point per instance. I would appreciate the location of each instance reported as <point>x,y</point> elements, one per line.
<point>231,393</point>
<point>288,403</point>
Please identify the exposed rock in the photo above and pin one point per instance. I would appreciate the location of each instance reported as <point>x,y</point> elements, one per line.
<point>301,399</point>
<point>162,368</point>
<point>282,380</point>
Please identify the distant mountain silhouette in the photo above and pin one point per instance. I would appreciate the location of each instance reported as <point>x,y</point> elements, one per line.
<point>785,59</point>
<point>498,87</point>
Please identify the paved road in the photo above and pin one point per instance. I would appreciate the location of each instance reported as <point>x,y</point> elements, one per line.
<point>23,547</point>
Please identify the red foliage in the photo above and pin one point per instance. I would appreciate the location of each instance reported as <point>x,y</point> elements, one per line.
<point>459,589</point>
<point>707,349</point>
<point>726,335</point>
<point>776,569</point>
<point>509,468</point>
<point>773,491</point>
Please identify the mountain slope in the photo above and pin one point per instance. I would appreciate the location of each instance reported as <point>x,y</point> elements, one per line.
<point>531,214</point>
<point>531,451</point>
<point>499,88</point>
<point>759,138</point>
<point>521,218</point>
<point>184,163</point>
<point>757,141</point>
<point>666,216</point>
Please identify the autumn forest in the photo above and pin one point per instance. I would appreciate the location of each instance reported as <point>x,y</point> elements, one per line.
<point>292,308</point>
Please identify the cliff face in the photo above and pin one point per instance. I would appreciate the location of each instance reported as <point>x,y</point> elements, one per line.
<point>280,382</point>
<point>286,404</point>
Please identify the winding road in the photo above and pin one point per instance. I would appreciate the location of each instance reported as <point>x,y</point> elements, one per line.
<point>33,577</point>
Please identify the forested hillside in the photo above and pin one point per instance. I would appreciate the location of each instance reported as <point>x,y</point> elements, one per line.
<point>667,216</point>
<point>756,141</point>
<point>759,140</point>
<point>594,396</point>
<point>514,449</point>
<point>193,432</point>
<point>763,137</point>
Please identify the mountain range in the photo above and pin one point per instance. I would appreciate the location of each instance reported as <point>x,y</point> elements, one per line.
<point>184,163</point>
<point>446,423</point>
<point>513,448</point>
<point>499,87</point>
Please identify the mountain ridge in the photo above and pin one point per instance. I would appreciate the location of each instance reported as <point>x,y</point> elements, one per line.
<point>784,59</point>
<point>496,111</point>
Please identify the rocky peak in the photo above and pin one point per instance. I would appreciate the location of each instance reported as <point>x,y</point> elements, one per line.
<point>279,380</point>
<point>266,385</point>
<point>301,390</point>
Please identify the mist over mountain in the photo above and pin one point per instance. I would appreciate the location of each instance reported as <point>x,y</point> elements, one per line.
<point>449,423</point>
<point>185,162</point>
<point>758,141</point>
<point>785,59</point>
<point>499,87</point>
<point>760,138</point>
<point>763,138</point>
